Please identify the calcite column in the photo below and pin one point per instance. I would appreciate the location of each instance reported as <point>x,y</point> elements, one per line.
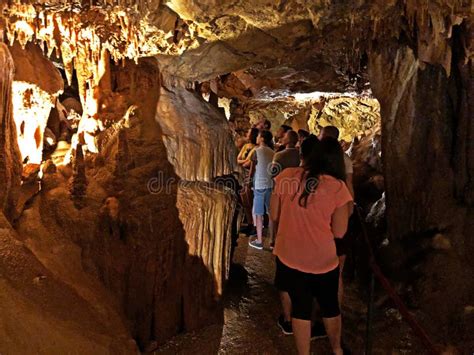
<point>10,160</point>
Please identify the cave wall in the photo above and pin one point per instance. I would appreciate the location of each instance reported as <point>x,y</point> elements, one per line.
<point>427,135</point>
<point>10,161</point>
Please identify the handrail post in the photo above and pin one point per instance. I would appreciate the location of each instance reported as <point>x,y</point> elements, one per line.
<point>370,313</point>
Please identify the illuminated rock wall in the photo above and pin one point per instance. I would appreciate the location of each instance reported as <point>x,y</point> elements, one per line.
<point>37,84</point>
<point>42,311</point>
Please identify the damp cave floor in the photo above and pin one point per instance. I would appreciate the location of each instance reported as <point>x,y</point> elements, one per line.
<point>251,309</point>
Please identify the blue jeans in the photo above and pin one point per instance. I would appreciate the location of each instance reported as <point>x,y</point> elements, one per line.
<point>261,201</point>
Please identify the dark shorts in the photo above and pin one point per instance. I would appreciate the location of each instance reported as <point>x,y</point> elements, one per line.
<point>303,287</point>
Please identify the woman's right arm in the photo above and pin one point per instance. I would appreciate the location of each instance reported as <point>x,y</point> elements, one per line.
<point>340,219</point>
<point>275,209</point>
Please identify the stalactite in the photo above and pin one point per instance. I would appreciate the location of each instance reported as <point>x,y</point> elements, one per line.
<point>123,32</point>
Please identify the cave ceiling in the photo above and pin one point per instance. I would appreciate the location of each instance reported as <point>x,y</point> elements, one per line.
<point>285,45</point>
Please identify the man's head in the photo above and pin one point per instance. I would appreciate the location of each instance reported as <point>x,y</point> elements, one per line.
<point>290,139</point>
<point>329,131</point>
<point>302,134</point>
<point>282,130</point>
<point>267,125</point>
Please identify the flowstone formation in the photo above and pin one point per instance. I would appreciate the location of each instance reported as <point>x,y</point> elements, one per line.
<point>152,249</point>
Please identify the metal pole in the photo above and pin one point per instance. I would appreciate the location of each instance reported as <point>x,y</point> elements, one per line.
<point>370,313</point>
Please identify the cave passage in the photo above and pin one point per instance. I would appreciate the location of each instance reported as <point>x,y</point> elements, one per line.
<point>134,211</point>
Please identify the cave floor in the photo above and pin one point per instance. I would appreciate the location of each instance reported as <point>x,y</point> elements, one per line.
<point>251,308</point>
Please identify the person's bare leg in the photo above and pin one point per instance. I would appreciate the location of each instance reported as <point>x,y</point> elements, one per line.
<point>286,305</point>
<point>302,333</point>
<point>271,235</point>
<point>259,225</point>
<point>340,292</point>
<point>333,330</point>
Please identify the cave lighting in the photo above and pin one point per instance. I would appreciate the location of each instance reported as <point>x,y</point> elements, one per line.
<point>317,95</point>
<point>310,96</point>
<point>31,108</point>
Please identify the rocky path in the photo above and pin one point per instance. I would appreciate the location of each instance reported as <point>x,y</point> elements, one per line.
<point>252,308</point>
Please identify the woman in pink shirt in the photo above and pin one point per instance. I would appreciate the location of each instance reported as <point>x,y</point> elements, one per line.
<point>310,205</point>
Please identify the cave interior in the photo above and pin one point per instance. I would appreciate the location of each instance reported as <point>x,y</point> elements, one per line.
<point>117,117</point>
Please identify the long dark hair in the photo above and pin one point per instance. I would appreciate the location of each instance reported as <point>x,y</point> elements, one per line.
<point>253,135</point>
<point>267,137</point>
<point>326,158</point>
<point>307,147</point>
